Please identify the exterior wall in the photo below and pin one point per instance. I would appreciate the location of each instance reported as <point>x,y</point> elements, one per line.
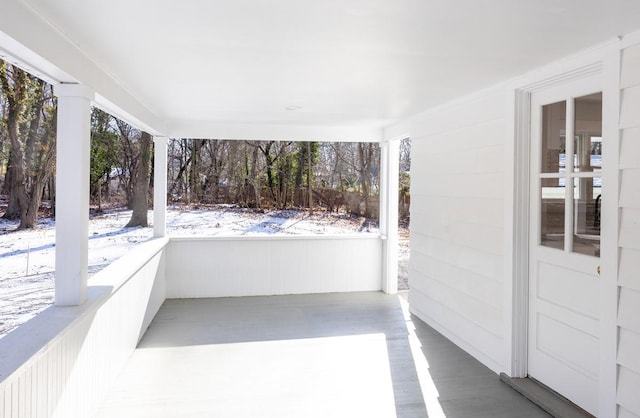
<point>72,355</point>
<point>629,238</point>
<point>457,223</point>
<point>253,266</point>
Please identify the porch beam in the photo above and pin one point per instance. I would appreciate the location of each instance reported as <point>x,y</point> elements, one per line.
<point>389,179</point>
<point>72,193</point>
<point>160,186</point>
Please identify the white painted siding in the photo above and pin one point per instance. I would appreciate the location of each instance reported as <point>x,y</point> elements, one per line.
<point>275,265</point>
<point>629,240</point>
<point>61,363</point>
<point>457,223</point>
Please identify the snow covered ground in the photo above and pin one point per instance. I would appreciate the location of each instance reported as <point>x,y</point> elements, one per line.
<point>27,258</point>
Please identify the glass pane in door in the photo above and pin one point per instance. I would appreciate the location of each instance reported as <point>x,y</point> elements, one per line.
<point>587,148</point>
<point>552,209</point>
<point>587,208</point>
<point>587,191</point>
<point>553,170</point>
<point>553,141</point>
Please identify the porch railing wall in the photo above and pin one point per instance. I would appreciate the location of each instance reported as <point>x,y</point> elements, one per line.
<point>256,266</point>
<point>68,357</point>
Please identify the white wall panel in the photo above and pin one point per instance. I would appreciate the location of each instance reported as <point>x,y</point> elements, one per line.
<point>61,363</point>
<point>625,413</point>
<point>485,238</point>
<point>628,276</point>
<point>628,310</point>
<point>630,107</point>
<point>475,185</point>
<point>457,222</point>
<point>474,339</point>
<point>629,190</point>
<point>474,284</point>
<point>475,111</point>
<point>453,295</point>
<point>467,258</point>
<point>482,160</point>
<point>628,382</point>
<point>474,210</point>
<point>630,76</point>
<point>629,237</point>
<point>472,137</point>
<point>630,228</point>
<point>251,266</point>
<point>628,349</point>
<point>630,148</point>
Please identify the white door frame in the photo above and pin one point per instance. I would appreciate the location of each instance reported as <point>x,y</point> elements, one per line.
<point>604,60</point>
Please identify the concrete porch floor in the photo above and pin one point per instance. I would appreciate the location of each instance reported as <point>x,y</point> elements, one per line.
<point>328,355</point>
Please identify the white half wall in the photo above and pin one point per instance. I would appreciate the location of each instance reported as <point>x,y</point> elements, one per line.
<point>274,265</point>
<point>70,356</point>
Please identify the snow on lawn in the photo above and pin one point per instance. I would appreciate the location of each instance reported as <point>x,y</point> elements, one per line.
<point>27,258</point>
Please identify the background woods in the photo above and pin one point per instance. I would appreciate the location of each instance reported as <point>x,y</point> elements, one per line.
<point>254,174</point>
<point>27,143</point>
<point>276,174</point>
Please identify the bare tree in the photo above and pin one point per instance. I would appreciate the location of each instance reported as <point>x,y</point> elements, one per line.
<point>30,129</point>
<point>140,179</point>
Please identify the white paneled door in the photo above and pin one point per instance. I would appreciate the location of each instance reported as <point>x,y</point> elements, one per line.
<point>566,200</point>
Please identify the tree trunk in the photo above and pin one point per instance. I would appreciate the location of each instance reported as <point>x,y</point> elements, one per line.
<point>141,185</point>
<point>16,96</point>
<point>13,208</point>
<point>365,154</point>
<point>52,195</point>
<point>309,186</point>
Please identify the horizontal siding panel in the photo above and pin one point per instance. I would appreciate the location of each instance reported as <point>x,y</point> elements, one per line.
<point>630,188</point>
<point>465,257</point>
<point>484,237</point>
<point>630,228</point>
<point>628,390</point>
<point>429,183</point>
<point>630,148</point>
<point>630,107</point>
<point>629,310</point>
<point>468,113</point>
<point>480,313</point>
<point>630,71</point>
<point>625,413</point>
<point>484,345</point>
<point>629,350</point>
<point>474,284</point>
<point>485,134</point>
<point>481,211</point>
<point>468,161</point>
<point>629,268</point>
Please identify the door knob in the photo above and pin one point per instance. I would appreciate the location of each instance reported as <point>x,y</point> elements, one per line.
<point>598,270</point>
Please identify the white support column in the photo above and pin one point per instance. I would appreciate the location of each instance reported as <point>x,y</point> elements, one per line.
<point>389,180</point>
<point>72,193</point>
<point>160,186</point>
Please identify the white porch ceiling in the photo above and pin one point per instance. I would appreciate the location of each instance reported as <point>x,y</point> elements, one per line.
<point>347,67</point>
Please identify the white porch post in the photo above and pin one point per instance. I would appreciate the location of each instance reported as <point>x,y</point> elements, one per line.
<point>389,179</point>
<point>72,193</point>
<point>160,186</point>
